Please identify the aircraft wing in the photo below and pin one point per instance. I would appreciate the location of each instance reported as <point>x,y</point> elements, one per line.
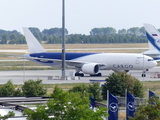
<point>69,62</point>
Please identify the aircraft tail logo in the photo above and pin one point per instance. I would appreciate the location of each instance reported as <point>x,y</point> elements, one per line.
<point>153,36</point>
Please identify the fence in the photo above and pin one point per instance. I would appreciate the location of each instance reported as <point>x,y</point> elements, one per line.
<point>121,102</point>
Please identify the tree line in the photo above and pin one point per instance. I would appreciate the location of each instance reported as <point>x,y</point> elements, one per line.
<point>97,35</point>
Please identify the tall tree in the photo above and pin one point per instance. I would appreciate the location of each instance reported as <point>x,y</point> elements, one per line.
<point>37,33</point>
<point>102,31</point>
<point>117,83</point>
<point>4,39</point>
<point>122,31</point>
<point>54,31</point>
<point>142,31</point>
<point>134,30</point>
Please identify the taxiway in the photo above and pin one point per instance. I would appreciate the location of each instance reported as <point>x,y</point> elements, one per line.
<point>53,76</point>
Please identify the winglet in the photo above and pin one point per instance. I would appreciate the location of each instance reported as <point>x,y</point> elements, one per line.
<point>33,45</point>
<point>153,36</point>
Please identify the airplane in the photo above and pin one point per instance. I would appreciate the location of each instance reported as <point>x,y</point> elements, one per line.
<point>153,36</point>
<point>87,63</point>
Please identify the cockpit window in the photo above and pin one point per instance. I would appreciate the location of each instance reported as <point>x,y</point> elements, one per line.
<point>150,60</point>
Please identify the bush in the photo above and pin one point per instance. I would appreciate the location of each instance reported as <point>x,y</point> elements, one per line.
<point>82,88</point>
<point>93,90</point>
<point>149,111</point>
<point>33,88</point>
<point>7,90</point>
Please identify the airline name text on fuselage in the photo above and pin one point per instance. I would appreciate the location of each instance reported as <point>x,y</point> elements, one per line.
<point>122,66</point>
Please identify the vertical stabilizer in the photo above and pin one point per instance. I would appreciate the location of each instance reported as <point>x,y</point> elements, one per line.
<point>33,45</point>
<point>153,36</point>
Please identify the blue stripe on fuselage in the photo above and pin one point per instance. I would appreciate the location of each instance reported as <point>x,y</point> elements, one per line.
<point>58,55</point>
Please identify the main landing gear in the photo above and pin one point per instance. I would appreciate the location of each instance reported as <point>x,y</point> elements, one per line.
<point>82,75</point>
<point>79,74</point>
<point>98,74</point>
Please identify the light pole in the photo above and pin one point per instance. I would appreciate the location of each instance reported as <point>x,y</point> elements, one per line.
<point>63,40</point>
<point>24,64</point>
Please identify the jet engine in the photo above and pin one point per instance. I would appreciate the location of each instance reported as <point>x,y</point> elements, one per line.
<point>90,68</point>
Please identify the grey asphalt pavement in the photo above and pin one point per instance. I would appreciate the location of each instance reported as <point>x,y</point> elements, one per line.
<point>53,76</point>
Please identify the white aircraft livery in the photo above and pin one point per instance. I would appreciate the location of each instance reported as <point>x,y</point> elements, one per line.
<point>153,36</point>
<point>87,63</point>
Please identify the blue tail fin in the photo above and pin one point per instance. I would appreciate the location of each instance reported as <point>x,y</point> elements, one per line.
<point>153,36</point>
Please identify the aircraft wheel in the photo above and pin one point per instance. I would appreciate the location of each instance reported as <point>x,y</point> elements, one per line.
<point>82,75</point>
<point>126,71</point>
<point>79,74</point>
<point>99,74</point>
<point>143,75</point>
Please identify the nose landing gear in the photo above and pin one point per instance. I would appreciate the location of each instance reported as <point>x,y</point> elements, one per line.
<point>144,73</point>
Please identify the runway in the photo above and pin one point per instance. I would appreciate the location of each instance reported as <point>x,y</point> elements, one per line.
<point>53,76</point>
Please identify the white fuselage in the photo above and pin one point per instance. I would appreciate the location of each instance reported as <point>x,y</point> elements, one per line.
<point>111,61</point>
<point>120,61</point>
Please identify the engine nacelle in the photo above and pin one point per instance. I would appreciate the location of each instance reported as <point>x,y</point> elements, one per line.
<point>90,68</point>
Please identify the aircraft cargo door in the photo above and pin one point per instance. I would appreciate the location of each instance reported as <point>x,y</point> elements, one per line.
<point>139,62</point>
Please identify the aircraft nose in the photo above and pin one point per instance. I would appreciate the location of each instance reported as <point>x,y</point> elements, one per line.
<point>154,63</point>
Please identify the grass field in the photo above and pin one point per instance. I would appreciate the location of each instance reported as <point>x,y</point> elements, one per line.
<point>64,86</point>
<point>84,46</point>
<point>75,46</point>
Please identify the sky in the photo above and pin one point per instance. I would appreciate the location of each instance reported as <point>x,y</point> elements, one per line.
<point>80,15</point>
